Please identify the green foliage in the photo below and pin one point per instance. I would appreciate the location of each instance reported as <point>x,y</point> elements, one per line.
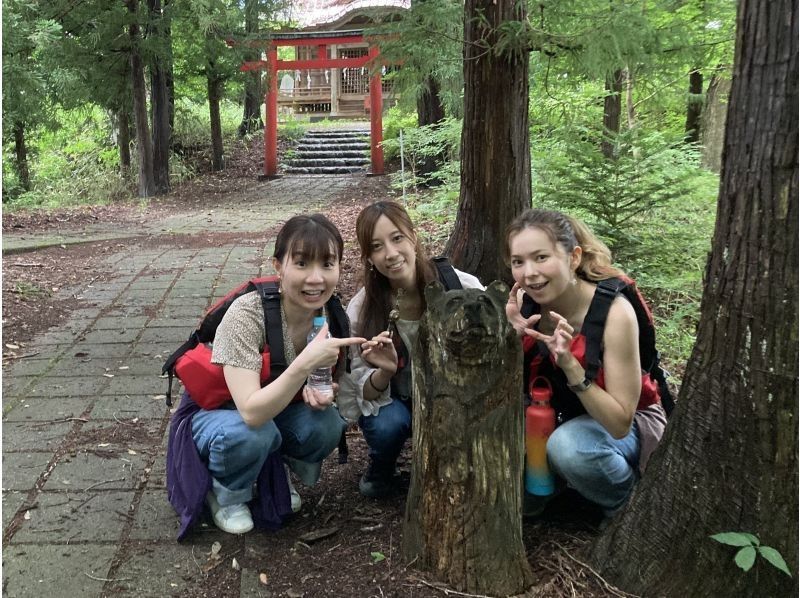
<point>292,128</point>
<point>75,163</point>
<point>749,547</point>
<point>408,41</point>
<point>377,557</point>
<point>646,172</point>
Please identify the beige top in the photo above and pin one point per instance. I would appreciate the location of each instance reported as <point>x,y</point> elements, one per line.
<point>240,337</point>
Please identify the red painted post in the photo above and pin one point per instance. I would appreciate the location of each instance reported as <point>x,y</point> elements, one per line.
<point>375,113</point>
<point>271,130</point>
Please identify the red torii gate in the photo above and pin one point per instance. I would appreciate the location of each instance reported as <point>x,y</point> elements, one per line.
<point>321,40</point>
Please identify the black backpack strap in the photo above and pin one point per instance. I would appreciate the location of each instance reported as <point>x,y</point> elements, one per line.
<point>595,322</point>
<point>169,364</point>
<point>447,274</point>
<point>273,328</point>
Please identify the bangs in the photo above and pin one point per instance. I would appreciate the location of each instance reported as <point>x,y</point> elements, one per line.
<point>320,247</point>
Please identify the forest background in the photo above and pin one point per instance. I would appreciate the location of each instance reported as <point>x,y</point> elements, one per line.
<point>625,116</point>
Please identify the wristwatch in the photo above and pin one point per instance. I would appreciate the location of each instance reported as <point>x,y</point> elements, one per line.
<point>580,386</point>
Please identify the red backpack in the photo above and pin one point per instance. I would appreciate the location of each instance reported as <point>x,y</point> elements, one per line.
<point>205,381</point>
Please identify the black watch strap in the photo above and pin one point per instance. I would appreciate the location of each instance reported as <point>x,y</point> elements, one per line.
<point>580,386</point>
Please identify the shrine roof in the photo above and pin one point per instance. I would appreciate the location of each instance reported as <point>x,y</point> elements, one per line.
<point>317,13</point>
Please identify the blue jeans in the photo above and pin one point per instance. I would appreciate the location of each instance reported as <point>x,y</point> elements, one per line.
<point>600,467</point>
<point>387,431</point>
<point>235,452</point>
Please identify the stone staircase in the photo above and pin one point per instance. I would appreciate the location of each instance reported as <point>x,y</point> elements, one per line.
<point>329,152</point>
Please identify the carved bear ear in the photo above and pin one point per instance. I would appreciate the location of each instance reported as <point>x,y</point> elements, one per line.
<point>433,292</point>
<point>498,290</point>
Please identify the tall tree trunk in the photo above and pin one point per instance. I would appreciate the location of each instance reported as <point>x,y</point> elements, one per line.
<point>430,111</point>
<point>463,517</point>
<point>124,140</point>
<point>612,110</point>
<point>495,148</point>
<point>713,118</point>
<point>253,93</point>
<point>694,107</point>
<point>728,462</point>
<point>159,99</point>
<point>21,156</point>
<point>144,146</point>
<point>214,85</point>
<point>169,70</point>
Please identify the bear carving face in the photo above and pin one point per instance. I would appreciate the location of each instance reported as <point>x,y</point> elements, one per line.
<point>470,324</point>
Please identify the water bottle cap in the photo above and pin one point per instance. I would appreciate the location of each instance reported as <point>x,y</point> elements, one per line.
<point>541,391</point>
<point>319,321</point>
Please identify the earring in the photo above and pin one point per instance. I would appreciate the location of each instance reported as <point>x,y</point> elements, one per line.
<point>574,280</point>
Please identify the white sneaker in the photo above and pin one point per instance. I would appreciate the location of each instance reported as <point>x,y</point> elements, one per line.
<point>294,496</point>
<point>234,519</point>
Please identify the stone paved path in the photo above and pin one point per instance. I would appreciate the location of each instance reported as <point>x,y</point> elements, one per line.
<point>84,507</point>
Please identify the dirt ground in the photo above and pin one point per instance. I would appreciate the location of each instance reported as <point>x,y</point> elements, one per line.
<point>363,549</point>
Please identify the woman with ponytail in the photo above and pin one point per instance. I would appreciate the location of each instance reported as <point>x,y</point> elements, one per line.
<point>607,424</point>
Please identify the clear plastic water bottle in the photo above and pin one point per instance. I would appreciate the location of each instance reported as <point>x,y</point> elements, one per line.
<point>320,379</point>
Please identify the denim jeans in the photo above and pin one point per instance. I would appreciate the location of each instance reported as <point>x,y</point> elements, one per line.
<point>601,468</point>
<point>235,452</point>
<point>387,431</point>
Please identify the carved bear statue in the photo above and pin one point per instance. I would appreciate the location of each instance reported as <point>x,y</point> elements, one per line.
<point>463,514</point>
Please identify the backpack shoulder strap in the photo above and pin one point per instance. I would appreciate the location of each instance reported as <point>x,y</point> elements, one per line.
<point>595,322</point>
<point>447,274</point>
<point>271,302</point>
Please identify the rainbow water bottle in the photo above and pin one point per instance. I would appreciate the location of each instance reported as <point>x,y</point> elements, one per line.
<point>540,421</point>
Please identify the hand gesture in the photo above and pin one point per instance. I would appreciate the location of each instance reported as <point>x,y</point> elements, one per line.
<point>380,352</point>
<point>323,352</point>
<point>559,342</point>
<point>514,315</point>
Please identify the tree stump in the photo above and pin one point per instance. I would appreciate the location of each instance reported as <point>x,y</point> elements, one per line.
<point>463,519</point>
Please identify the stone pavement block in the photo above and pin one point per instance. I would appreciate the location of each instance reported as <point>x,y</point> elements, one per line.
<point>12,501</point>
<point>188,323</point>
<point>126,385</point>
<point>126,311</point>
<point>56,337</point>
<point>17,385</point>
<point>126,407</point>
<point>111,336</point>
<point>177,303</point>
<point>30,366</point>
<point>119,323</point>
<point>35,571</point>
<point>57,386</point>
<point>21,470</point>
<point>46,409</point>
<point>84,350</point>
<point>94,516</point>
<point>110,437</point>
<point>33,437</point>
<point>155,519</point>
<point>167,569</point>
<point>151,283</point>
<point>92,471</point>
<point>84,367</point>
<point>183,311</point>
<point>172,335</point>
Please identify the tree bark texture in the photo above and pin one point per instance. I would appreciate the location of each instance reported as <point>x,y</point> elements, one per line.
<point>612,111</point>
<point>159,100</point>
<point>728,462</point>
<point>713,121</point>
<point>430,111</point>
<point>214,91</point>
<point>694,107</point>
<point>144,146</point>
<point>21,156</point>
<point>495,148</point>
<point>124,140</point>
<point>253,92</point>
<point>463,519</point>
